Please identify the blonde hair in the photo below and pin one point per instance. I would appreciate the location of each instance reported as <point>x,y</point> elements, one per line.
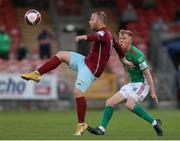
<point>128,32</point>
<point>101,15</point>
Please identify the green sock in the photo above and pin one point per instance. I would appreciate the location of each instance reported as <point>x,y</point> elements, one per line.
<point>108,112</point>
<point>142,113</point>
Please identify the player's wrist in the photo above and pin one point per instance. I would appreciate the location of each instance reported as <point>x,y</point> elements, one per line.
<point>85,37</point>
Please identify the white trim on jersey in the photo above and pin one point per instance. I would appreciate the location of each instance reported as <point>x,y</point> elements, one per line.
<point>111,47</point>
<point>99,58</point>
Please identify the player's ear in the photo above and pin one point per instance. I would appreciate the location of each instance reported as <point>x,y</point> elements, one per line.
<point>98,20</point>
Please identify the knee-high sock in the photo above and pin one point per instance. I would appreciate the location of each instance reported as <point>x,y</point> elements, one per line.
<point>49,65</point>
<point>142,113</point>
<point>81,109</point>
<point>107,114</point>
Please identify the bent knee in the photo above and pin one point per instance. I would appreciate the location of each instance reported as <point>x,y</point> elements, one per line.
<point>78,93</point>
<point>131,101</point>
<point>63,56</point>
<point>129,106</point>
<point>109,102</point>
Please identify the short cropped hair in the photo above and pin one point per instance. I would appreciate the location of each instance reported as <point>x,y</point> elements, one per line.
<point>102,16</point>
<point>128,32</point>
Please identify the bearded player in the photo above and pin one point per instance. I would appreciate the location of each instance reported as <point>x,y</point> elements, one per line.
<point>88,68</point>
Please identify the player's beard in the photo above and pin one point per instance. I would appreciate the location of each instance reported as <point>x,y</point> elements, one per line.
<point>94,27</point>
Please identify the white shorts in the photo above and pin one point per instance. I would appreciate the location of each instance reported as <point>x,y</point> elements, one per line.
<point>136,90</point>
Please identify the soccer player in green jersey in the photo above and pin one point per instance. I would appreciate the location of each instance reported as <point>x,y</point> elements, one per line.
<point>138,83</point>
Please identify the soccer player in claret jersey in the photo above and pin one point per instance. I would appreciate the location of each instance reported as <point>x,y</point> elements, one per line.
<point>138,83</point>
<point>88,68</point>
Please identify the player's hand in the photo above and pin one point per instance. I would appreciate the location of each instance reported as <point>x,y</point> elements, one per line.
<point>125,61</point>
<point>130,64</point>
<point>153,95</point>
<point>82,37</point>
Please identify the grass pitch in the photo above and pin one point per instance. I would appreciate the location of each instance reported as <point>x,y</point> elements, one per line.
<point>124,125</point>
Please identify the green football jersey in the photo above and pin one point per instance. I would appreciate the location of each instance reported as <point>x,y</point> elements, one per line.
<point>139,60</point>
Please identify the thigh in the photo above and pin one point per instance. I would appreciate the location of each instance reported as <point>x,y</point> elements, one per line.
<point>117,98</point>
<point>131,102</point>
<point>76,60</point>
<point>84,78</point>
<point>64,56</point>
<point>126,90</point>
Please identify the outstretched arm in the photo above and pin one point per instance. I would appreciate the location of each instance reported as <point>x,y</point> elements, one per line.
<point>98,36</point>
<point>121,53</point>
<point>125,61</point>
<point>148,76</point>
<point>81,37</point>
<point>118,49</point>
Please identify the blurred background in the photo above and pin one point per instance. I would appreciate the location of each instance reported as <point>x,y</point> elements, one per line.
<point>156,28</point>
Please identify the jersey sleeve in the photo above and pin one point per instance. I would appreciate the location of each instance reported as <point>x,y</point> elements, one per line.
<point>141,59</point>
<point>118,49</point>
<point>98,36</point>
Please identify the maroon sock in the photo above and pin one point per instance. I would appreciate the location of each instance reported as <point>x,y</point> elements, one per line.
<point>49,65</point>
<point>81,109</point>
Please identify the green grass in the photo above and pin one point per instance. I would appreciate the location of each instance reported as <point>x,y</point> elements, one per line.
<point>61,125</point>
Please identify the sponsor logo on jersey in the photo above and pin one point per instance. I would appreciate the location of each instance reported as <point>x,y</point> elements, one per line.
<point>101,33</point>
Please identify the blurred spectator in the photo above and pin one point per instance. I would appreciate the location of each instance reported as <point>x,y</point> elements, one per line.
<point>44,39</point>
<point>174,52</point>
<point>103,3</point>
<point>160,25</point>
<point>148,4</point>
<point>39,4</point>
<point>137,3</point>
<point>177,14</point>
<point>21,52</point>
<point>5,43</point>
<point>142,46</point>
<point>129,15</point>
